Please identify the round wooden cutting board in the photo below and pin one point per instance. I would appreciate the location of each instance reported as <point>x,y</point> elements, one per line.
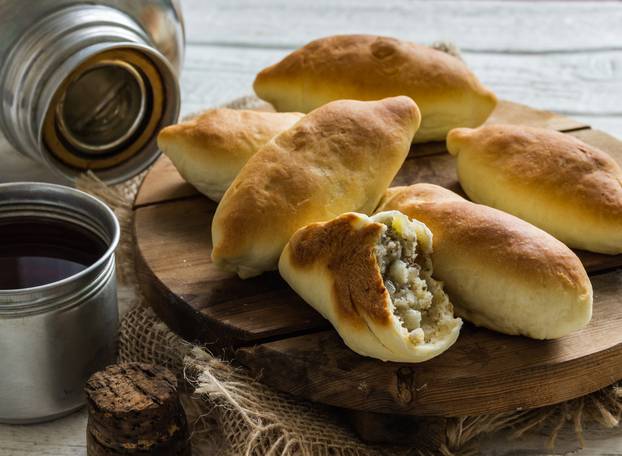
<point>266,327</point>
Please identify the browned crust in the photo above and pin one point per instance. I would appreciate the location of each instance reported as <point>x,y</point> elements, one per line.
<point>559,165</point>
<point>369,67</point>
<point>339,158</point>
<point>403,62</point>
<point>499,240</point>
<point>348,254</point>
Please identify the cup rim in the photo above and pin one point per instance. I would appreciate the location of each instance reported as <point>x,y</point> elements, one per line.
<point>114,241</point>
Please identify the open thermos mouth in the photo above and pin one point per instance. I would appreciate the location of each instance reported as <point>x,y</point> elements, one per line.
<point>88,85</point>
<point>103,106</point>
<point>106,111</point>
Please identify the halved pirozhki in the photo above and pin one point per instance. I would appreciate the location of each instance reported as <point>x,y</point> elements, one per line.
<point>371,277</point>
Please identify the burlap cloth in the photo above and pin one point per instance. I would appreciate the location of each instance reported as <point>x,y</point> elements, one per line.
<point>233,414</point>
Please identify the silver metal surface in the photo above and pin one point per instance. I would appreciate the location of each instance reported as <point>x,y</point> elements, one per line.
<point>53,337</point>
<point>103,107</point>
<point>43,42</point>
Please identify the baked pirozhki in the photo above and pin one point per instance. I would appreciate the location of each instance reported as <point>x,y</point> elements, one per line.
<point>499,271</point>
<point>553,180</point>
<point>209,150</point>
<point>372,278</point>
<point>339,158</point>
<point>368,67</point>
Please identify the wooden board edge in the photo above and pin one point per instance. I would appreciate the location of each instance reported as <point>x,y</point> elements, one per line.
<point>167,201</point>
<point>321,368</point>
<point>165,305</point>
<point>179,315</point>
<point>523,398</point>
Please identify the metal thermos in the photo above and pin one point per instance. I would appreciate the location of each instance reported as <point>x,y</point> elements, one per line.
<point>86,85</point>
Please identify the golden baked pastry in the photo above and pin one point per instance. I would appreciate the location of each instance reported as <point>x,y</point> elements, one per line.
<point>339,158</point>
<point>369,67</point>
<point>209,150</point>
<point>553,180</point>
<point>372,278</point>
<point>499,271</point>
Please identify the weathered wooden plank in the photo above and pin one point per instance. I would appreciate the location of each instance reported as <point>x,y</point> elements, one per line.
<point>63,437</point>
<point>198,300</point>
<point>66,437</point>
<point>481,26</point>
<point>569,83</point>
<point>598,442</point>
<point>588,84</point>
<point>484,372</point>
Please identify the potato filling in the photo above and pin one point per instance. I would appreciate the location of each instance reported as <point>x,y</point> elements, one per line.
<point>419,302</point>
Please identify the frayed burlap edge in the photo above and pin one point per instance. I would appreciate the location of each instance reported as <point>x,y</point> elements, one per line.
<point>233,414</point>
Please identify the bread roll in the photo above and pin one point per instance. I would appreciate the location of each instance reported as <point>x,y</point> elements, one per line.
<point>553,180</point>
<point>372,278</point>
<point>210,149</point>
<point>339,158</point>
<point>368,67</point>
<point>499,271</point>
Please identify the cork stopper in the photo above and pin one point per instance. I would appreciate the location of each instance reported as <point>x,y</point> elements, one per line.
<point>134,409</point>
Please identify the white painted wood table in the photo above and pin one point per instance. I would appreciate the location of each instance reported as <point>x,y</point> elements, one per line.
<point>560,56</point>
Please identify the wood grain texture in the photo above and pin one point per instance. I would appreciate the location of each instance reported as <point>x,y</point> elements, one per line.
<point>63,437</point>
<point>134,408</point>
<point>484,372</point>
<point>196,299</point>
<point>480,26</point>
<point>575,84</point>
<point>66,437</point>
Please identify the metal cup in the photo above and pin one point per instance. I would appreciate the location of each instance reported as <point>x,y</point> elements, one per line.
<point>54,336</point>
